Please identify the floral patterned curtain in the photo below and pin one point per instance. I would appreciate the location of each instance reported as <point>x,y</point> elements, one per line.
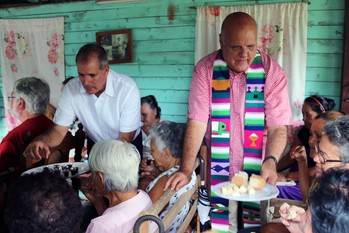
<point>282,33</point>
<point>31,48</point>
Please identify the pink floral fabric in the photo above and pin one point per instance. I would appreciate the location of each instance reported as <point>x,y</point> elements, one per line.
<point>32,47</point>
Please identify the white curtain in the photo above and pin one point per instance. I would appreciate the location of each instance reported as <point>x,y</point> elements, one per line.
<point>282,33</point>
<point>31,48</point>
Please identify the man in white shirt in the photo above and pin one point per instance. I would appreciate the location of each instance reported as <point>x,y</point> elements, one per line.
<point>106,103</point>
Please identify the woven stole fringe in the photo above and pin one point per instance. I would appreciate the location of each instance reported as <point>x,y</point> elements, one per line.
<point>220,135</point>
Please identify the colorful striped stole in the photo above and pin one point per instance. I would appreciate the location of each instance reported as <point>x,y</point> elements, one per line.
<point>220,136</point>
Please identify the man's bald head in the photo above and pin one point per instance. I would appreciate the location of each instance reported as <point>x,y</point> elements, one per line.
<point>238,19</point>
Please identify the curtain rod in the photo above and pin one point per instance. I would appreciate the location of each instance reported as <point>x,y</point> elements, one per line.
<point>195,7</point>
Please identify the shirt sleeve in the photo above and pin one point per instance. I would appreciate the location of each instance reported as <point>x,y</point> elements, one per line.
<point>200,90</point>
<point>130,118</point>
<point>277,105</point>
<point>65,114</point>
<point>8,155</point>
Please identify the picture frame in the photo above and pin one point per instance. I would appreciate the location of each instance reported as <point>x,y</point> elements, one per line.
<point>118,45</point>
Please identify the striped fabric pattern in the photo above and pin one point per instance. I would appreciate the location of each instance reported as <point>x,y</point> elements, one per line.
<point>220,121</point>
<point>220,135</point>
<point>253,133</point>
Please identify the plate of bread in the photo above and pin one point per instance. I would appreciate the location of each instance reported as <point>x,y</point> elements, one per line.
<point>244,188</point>
<point>67,170</point>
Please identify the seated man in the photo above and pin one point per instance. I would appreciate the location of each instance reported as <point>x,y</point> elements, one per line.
<point>43,202</point>
<point>28,102</point>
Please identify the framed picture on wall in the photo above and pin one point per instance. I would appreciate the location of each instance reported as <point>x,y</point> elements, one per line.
<point>118,45</point>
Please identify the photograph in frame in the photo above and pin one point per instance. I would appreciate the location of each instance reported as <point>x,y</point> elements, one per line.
<point>118,45</point>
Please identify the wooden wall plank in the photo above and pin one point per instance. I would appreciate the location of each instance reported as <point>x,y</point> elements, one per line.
<point>322,88</point>
<point>172,83</point>
<point>326,32</point>
<point>324,74</point>
<point>145,71</point>
<point>316,5</point>
<point>324,46</point>
<point>325,17</point>
<point>324,60</point>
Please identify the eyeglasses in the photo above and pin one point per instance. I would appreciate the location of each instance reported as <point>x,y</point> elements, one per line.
<point>322,156</point>
<point>10,97</point>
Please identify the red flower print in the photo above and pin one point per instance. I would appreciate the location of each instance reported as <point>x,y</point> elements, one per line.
<point>268,34</point>
<point>52,56</point>
<point>214,10</point>
<point>54,42</point>
<point>10,37</point>
<point>10,52</point>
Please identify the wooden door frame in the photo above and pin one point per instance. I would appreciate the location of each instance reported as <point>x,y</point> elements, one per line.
<point>344,103</point>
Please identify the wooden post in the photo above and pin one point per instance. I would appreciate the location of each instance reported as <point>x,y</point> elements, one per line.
<point>344,106</point>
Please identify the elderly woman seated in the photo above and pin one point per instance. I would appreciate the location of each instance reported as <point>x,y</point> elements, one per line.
<point>166,149</point>
<point>114,165</point>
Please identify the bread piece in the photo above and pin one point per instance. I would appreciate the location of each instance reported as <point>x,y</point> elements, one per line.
<point>251,190</point>
<point>230,189</point>
<point>243,189</point>
<point>257,182</point>
<point>292,214</point>
<point>240,179</point>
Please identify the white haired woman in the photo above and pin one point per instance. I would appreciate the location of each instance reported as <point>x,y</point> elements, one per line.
<point>114,165</point>
<point>166,148</point>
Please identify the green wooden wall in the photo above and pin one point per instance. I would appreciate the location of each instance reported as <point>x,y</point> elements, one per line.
<point>164,48</point>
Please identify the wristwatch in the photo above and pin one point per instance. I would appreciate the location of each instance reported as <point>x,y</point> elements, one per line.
<point>272,158</point>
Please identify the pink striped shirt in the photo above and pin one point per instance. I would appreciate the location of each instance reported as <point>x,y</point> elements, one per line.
<point>277,107</point>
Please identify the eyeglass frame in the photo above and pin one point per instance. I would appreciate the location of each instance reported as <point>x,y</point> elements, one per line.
<point>322,154</point>
<point>11,97</point>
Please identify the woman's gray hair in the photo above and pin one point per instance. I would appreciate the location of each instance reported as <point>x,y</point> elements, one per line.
<point>169,134</point>
<point>35,92</point>
<point>118,161</point>
<point>337,132</point>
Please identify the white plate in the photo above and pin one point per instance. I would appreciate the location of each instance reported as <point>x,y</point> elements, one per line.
<point>286,183</point>
<point>82,168</point>
<point>268,192</point>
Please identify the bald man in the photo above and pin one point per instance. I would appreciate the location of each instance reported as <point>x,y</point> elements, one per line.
<point>238,42</point>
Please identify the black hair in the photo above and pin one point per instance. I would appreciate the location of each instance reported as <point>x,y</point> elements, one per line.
<point>320,104</point>
<point>66,80</point>
<point>90,50</point>
<point>153,104</point>
<point>329,201</point>
<point>42,202</point>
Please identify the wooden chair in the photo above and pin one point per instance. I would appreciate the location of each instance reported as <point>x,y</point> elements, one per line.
<point>145,217</point>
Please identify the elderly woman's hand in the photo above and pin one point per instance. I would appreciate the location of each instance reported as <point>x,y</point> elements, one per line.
<point>146,165</point>
<point>293,217</point>
<point>148,168</point>
<point>94,192</point>
<point>89,188</point>
<point>298,153</point>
